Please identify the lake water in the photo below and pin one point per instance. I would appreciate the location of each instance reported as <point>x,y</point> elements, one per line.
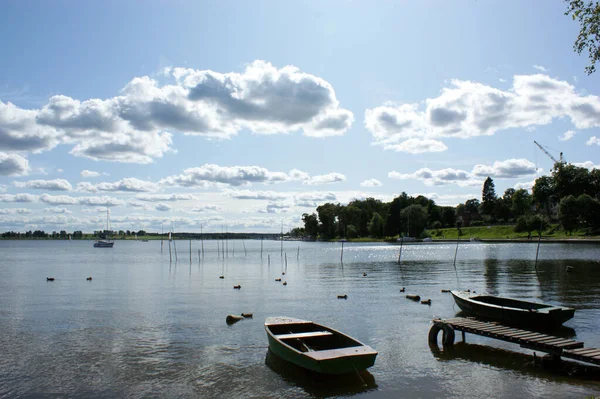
<point>147,327</point>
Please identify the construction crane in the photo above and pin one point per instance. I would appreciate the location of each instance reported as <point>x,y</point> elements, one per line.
<point>560,161</point>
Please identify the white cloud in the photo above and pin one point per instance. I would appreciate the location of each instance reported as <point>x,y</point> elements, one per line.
<point>469,109</point>
<point>57,210</point>
<point>206,208</point>
<point>136,126</point>
<point>86,201</point>
<point>14,211</point>
<point>568,135</point>
<point>325,179</point>
<point>256,195</point>
<point>508,169</point>
<point>527,185</point>
<point>164,197</point>
<point>129,184</point>
<point>540,68</point>
<point>417,146</point>
<point>209,175</point>
<point>587,164</point>
<point>135,204</point>
<point>89,173</point>
<point>24,197</point>
<point>449,199</point>
<point>12,164</point>
<point>371,183</point>
<point>314,199</point>
<point>54,185</point>
<point>163,207</point>
<point>593,140</point>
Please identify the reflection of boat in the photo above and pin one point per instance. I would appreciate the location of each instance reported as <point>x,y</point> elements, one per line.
<point>316,347</point>
<point>512,311</point>
<point>105,241</point>
<point>321,385</point>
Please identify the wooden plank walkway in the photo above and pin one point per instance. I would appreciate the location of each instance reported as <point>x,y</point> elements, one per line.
<point>557,346</point>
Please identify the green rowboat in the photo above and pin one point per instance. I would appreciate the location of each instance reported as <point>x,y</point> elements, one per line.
<point>316,347</point>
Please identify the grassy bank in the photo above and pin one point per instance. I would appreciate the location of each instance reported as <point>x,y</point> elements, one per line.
<point>503,232</point>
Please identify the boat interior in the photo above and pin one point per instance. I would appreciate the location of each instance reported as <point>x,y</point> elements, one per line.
<point>513,303</point>
<point>308,337</point>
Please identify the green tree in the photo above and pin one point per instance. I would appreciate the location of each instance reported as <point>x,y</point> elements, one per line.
<point>488,197</point>
<point>589,212</point>
<point>587,12</point>
<point>568,213</point>
<point>311,225</point>
<point>376,225</point>
<point>521,202</point>
<point>543,193</point>
<point>328,219</point>
<point>414,217</point>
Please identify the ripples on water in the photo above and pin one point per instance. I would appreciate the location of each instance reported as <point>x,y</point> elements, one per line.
<point>145,327</point>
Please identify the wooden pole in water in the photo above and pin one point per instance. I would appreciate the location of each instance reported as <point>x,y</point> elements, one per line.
<point>233,246</point>
<point>400,252</point>
<point>244,244</point>
<point>298,254</point>
<point>538,250</point>
<point>342,254</point>
<point>261,246</point>
<point>269,259</point>
<point>218,250</point>
<point>170,256</point>
<point>190,250</point>
<point>161,245</point>
<point>202,239</point>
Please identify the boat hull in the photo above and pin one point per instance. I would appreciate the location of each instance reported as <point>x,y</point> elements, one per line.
<point>335,361</point>
<point>531,313</point>
<point>103,244</point>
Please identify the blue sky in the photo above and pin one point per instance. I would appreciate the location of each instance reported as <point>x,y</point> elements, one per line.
<point>249,114</point>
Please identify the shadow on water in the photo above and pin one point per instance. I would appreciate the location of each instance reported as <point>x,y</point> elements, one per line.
<point>515,361</point>
<point>321,385</point>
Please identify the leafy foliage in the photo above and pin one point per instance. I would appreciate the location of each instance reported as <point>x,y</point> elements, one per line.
<point>588,15</point>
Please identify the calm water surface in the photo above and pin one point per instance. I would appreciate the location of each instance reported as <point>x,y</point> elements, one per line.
<point>145,327</point>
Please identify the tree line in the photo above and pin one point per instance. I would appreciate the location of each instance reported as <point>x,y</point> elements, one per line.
<point>570,196</point>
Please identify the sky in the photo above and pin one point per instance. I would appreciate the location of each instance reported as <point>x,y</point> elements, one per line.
<point>242,116</point>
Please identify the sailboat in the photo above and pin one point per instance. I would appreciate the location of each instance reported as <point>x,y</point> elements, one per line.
<point>105,242</point>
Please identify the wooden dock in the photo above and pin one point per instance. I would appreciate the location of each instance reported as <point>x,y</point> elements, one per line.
<point>556,346</point>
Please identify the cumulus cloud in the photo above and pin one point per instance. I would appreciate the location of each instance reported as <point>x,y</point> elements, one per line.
<point>137,124</point>
<point>89,173</point>
<point>527,185</point>
<point>14,211</point>
<point>54,185</point>
<point>164,197</point>
<point>163,207</point>
<point>57,210</point>
<point>325,179</point>
<point>256,195</point>
<point>206,208</point>
<point>568,135</point>
<point>24,197</point>
<point>468,109</point>
<point>136,204</point>
<point>12,164</point>
<point>209,175</point>
<point>540,68</point>
<point>312,200</point>
<point>371,183</point>
<point>129,184</point>
<point>587,164</point>
<point>275,207</point>
<point>417,146</point>
<point>85,201</point>
<point>593,140</point>
<point>510,168</point>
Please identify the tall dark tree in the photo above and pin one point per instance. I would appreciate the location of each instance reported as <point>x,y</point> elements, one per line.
<point>568,213</point>
<point>414,218</point>
<point>311,225</point>
<point>587,12</point>
<point>488,197</point>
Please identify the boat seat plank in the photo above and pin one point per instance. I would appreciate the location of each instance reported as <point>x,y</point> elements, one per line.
<point>583,351</point>
<point>341,352</point>
<point>310,334</point>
